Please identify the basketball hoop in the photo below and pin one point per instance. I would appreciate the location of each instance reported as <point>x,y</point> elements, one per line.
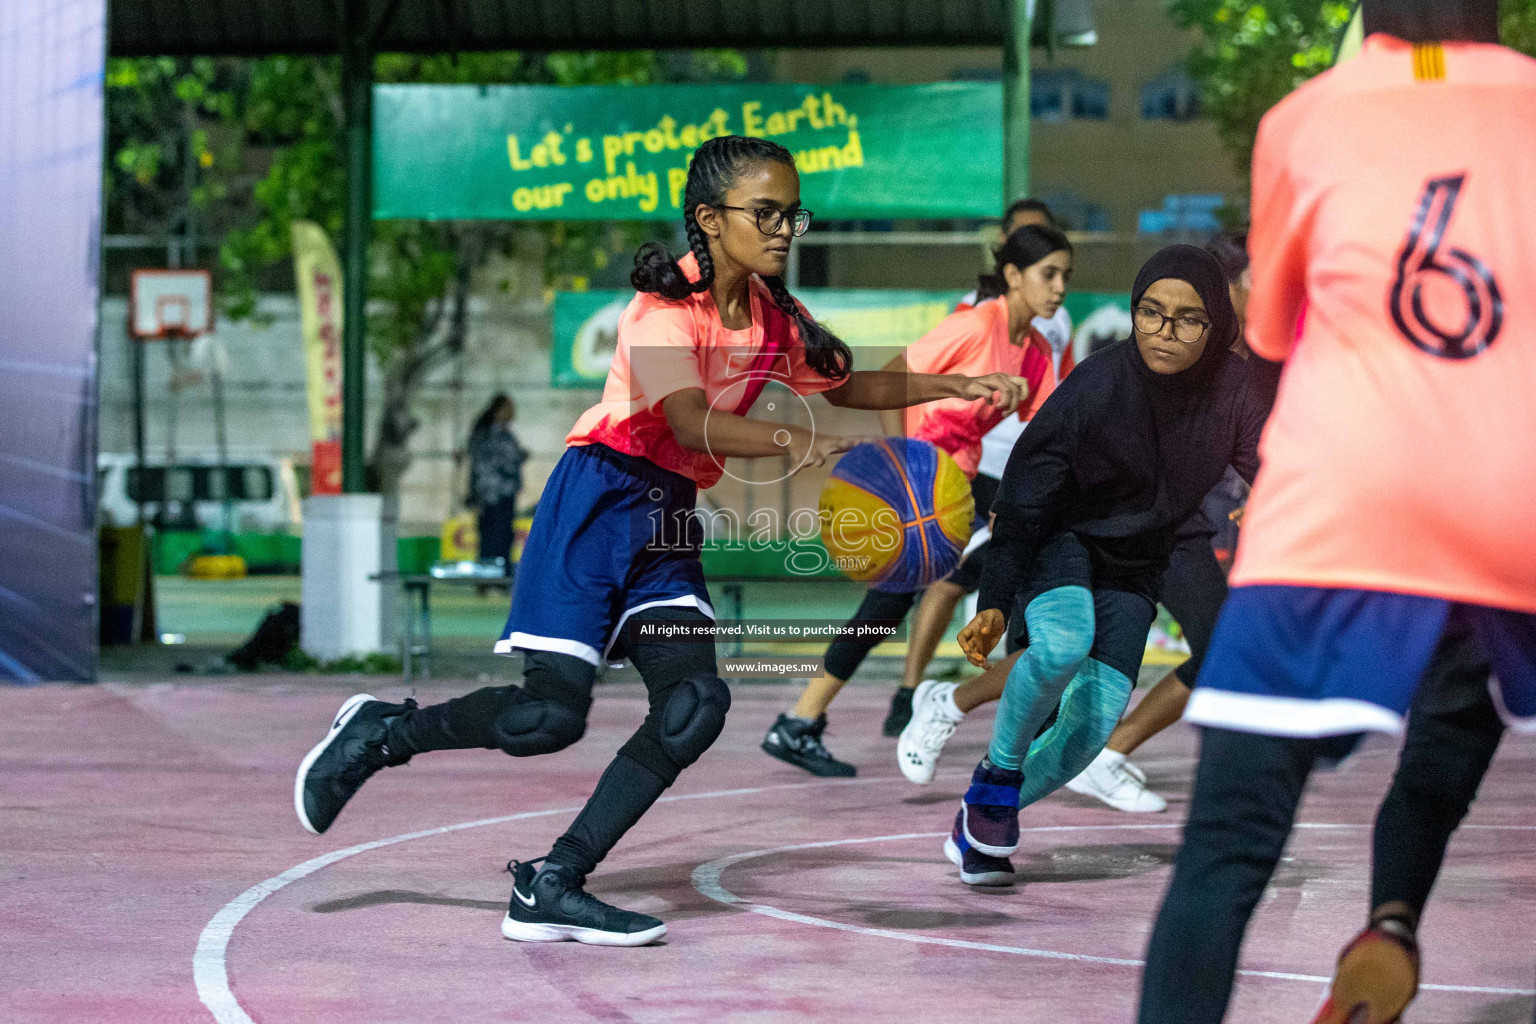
<point>170,304</point>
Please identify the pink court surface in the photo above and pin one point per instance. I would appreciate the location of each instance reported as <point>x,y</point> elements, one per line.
<point>153,872</point>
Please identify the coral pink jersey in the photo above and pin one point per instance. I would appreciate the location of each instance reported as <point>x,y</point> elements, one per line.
<point>974,342</point>
<point>665,347</point>
<point>1396,196</point>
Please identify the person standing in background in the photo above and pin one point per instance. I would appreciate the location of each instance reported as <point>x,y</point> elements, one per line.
<point>496,460</point>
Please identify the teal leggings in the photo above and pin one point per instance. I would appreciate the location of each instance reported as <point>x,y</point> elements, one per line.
<point>1054,672</point>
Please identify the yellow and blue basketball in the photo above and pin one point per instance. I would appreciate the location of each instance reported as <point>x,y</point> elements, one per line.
<point>896,513</point>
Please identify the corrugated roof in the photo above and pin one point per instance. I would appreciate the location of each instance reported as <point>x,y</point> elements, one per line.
<point>250,27</point>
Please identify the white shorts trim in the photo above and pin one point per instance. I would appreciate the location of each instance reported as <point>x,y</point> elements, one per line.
<point>559,645</point>
<point>1522,726</point>
<point>1289,716</point>
<point>686,601</point>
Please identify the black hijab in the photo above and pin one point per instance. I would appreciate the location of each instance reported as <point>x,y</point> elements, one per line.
<point>1120,455</point>
<point>1201,271</point>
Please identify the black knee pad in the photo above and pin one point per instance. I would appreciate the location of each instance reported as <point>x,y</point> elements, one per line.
<point>684,720</point>
<point>693,717</point>
<point>550,712</point>
<point>528,726</point>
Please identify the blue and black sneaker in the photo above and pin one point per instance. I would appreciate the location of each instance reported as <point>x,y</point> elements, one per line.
<point>976,868</point>
<point>989,811</point>
<point>549,905</point>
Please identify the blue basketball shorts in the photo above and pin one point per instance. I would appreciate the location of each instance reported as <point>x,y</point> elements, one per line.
<point>612,535</point>
<point>1316,661</point>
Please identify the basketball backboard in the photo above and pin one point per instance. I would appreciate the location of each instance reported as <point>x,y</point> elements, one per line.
<point>171,303</point>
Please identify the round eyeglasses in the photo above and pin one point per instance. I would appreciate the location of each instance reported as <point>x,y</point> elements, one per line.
<point>1188,329</point>
<point>770,220</point>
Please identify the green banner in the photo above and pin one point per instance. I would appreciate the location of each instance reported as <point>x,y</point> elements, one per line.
<point>535,152</point>
<point>586,323</point>
<point>1098,317</point>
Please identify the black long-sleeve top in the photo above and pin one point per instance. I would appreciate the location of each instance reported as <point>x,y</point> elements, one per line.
<point>1120,456</point>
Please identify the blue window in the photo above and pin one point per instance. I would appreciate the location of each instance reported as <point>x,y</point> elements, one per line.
<point>1075,212</point>
<point>1171,96</point>
<point>1060,93</point>
<point>1090,100</point>
<point>1047,96</point>
<point>1183,215</point>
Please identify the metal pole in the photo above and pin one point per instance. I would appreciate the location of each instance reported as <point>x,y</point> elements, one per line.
<point>357,101</point>
<point>221,442</point>
<point>1016,101</point>
<point>136,348</point>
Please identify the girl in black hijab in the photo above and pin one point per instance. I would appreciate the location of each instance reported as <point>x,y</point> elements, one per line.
<point>1114,462</point>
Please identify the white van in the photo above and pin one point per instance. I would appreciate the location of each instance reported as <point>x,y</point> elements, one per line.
<point>265,492</point>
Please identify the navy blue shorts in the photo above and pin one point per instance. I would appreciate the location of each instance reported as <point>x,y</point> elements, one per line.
<point>1316,661</point>
<point>613,535</point>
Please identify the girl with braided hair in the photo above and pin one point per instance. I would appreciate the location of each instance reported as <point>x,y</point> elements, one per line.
<point>611,567</point>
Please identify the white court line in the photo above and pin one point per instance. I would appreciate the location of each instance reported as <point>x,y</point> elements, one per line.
<point>210,969</point>
<point>706,879</point>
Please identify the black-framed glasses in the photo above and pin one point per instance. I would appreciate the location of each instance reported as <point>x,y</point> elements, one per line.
<point>1188,329</point>
<point>771,219</point>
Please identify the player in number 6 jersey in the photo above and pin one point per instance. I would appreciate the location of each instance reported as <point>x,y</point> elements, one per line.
<point>1398,471</point>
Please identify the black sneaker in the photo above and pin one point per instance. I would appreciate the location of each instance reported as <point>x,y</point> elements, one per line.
<point>356,747</point>
<point>798,742</point>
<point>900,714</point>
<point>551,906</point>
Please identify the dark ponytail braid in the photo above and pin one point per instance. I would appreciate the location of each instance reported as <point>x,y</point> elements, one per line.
<point>715,168</point>
<point>825,352</point>
<point>658,273</point>
<point>1024,248</point>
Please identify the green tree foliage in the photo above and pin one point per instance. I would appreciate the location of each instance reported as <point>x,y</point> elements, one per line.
<point>1251,53</point>
<point>1517,26</point>
<point>243,148</point>
<point>169,157</point>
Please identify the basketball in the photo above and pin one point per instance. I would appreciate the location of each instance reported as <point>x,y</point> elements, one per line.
<point>896,513</point>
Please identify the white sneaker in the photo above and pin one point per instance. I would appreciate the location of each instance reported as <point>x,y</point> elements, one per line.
<point>1118,783</point>
<point>934,717</point>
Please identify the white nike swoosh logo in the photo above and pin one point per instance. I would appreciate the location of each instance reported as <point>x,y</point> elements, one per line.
<point>527,901</point>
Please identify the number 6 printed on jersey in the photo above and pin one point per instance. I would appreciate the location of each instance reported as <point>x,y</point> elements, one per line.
<point>1420,258</point>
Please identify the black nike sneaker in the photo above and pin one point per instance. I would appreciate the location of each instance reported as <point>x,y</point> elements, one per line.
<point>900,714</point>
<point>549,905</point>
<point>356,746</point>
<point>797,741</point>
